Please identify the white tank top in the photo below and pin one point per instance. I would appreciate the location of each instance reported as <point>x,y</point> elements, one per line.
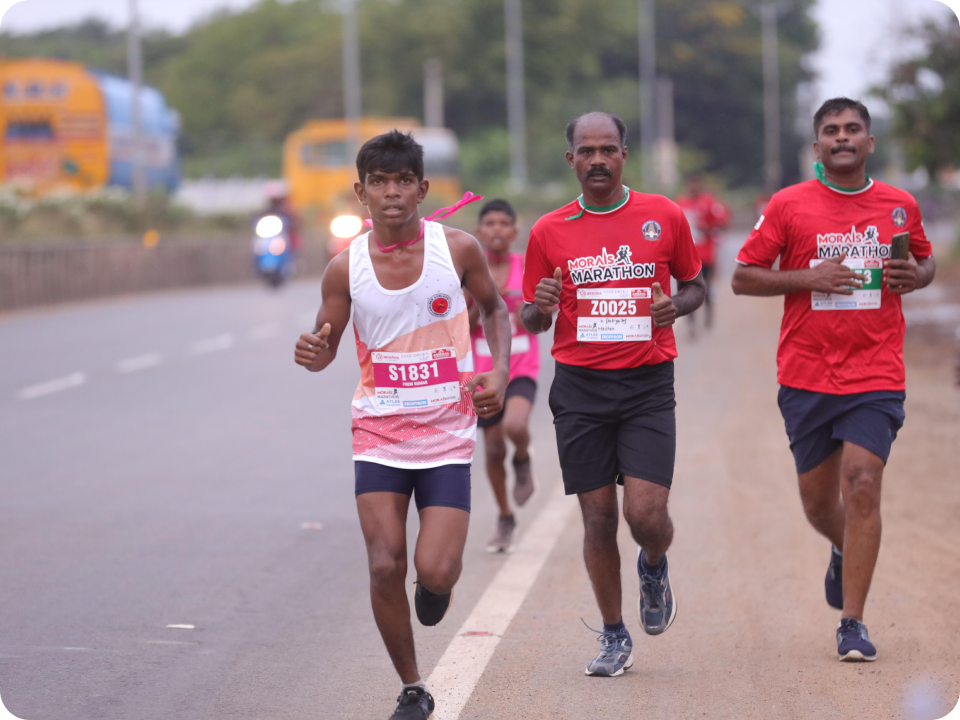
<point>411,408</point>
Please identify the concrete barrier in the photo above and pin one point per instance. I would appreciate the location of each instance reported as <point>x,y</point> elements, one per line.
<point>32,275</point>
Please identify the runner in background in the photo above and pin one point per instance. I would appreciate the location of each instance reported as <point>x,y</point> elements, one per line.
<point>414,425</point>
<point>840,360</point>
<point>707,217</point>
<point>497,231</point>
<point>606,260</point>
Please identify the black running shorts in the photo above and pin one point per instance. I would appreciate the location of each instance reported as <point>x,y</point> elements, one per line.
<point>612,423</point>
<point>522,386</point>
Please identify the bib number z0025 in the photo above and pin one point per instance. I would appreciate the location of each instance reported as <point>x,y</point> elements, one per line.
<point>614,315</point>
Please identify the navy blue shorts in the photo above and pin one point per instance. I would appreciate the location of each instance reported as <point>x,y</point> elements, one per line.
<point>818,424</point>
<point>443,486</point>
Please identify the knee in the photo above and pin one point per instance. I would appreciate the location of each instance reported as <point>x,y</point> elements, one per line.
<point>645,518</point>
<point>439,575</point>
<point>496,451</point>
<point>600,524</point>
<point>387,568</point>
<point>516,431</point>
<point>861,491</point>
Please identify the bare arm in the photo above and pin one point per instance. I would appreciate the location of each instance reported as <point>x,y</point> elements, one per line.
<point>471,262</point>
<point>315,350</point>
<point>537,317</point>
<point>690,295</point>
<point>830,276</point>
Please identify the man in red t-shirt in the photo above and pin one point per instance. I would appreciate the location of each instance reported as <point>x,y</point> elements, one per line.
<point>707,216</point>
<point>604,260</point>
<point>840,360</point>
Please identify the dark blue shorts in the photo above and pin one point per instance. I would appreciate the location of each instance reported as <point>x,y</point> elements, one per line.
<point>818,424</point>
<point>443,486</point>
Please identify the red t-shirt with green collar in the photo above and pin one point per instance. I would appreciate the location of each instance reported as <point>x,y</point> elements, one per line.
<point>840,344</point>
<point>611,260</point>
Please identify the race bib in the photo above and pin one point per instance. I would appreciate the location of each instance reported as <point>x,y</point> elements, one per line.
<point>614,315</point>
<point>418,379</point>
<point>867,298</point>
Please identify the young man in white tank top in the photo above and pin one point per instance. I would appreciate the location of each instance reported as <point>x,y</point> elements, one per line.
<point>415,410</point>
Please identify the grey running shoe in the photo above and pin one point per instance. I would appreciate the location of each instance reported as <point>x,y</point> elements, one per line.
<point>833,582</point>
<point>430,607</point>
<point>524,486</point>
<point>657,607</point>
<point>502,541</point>
<point>414,703</point>
<point>853,642</point>
<point>616,655</point>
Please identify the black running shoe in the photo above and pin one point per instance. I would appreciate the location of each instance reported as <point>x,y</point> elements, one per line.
<point>414,703</point>
<point>430,607</point>
<point>833,583</point>
<point>853,642</point>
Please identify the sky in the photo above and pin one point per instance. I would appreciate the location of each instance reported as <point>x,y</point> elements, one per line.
<point>860,38</point>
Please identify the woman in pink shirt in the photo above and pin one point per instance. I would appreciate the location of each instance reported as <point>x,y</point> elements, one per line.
<point>497,230</point>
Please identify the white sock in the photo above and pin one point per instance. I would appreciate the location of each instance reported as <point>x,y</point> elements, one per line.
<point>837,551</point>
<point>419,683</point>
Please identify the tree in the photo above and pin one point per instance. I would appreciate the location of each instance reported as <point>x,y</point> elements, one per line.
<point>924,94</point>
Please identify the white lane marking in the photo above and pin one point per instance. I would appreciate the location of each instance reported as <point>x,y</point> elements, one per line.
<point>214,344</point>
<point>52,386</point>
<point>141,362</point>
<point>181,626</point>
<point>458,671</point>
<point>311,526</point>
<point>172,642</point>
<point>263,332</point>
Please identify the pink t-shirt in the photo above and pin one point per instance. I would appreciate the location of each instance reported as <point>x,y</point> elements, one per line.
<point>524,350</point>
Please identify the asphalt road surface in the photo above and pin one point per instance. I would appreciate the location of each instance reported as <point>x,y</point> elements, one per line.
<point>178,538</point>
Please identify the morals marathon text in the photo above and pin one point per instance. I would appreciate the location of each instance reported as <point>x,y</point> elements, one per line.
<point>607,267</point>
<point>857,245</point>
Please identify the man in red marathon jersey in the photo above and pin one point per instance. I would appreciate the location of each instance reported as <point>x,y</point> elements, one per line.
<point>606,260</point>
<point>707,216</point>
<point>840,360</point>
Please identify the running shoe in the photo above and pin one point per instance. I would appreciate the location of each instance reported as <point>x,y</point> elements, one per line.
<point>414,703</point>
<point>657,607</point>
<point>616,655</point>
<point>502,541</point>
<point>524,486</point>
<point>833,583</point>
<point>853,642</point>
<point>430,607</point>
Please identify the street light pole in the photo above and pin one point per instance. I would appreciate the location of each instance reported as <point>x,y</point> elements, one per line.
<point>773,169</point>
<point>135,76</point>
<point>351,77</point>
<point>516,110</point>
<point>648,78</point>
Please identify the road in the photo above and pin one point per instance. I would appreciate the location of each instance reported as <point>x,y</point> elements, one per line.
<point>163,463</point>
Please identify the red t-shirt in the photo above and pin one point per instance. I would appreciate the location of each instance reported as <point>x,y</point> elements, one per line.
<point>617,256</point>
<point>707,216</point>
<point>838,345</point>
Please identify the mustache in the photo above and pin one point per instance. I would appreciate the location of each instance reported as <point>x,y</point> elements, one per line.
<point>599,171</point>
<point>842,148</point>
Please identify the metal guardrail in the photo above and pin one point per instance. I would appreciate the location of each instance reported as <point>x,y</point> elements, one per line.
<point>33,275</point>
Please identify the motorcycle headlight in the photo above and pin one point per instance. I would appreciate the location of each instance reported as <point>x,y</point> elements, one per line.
<point>269,225</point>
<point>277,246</point>
<point>346,226</point>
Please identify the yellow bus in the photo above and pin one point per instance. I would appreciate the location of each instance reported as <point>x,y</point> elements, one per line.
<point>319,168</point>
<point>64,126</point>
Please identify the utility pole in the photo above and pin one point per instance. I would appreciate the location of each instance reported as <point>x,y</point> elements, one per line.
<point>516,110</point>
<point>648,78</point>
<point>773,169</point>
<point>352,102</point>
<point>135,75</point>
<point>433,92</point>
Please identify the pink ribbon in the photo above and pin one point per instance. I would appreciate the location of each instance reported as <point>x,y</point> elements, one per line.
<point>468,197</point>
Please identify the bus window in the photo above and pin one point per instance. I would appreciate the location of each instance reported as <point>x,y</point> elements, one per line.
<point>328,154</point>
<point>29,131</point>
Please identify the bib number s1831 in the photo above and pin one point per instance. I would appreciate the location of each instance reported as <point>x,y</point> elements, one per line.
<point>418,379</point>
<point>867,298</point>
<point>614,315</point>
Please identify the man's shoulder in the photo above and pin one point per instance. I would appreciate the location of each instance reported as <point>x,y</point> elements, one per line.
<point>885,192</point>
<point>557,217</point>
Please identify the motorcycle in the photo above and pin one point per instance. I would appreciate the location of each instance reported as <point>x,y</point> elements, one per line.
<point>272,255</point>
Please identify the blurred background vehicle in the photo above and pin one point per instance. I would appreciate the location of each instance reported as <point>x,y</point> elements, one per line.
<point>63,126</point>
<point>319,168</point>
<point>273,255</point>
